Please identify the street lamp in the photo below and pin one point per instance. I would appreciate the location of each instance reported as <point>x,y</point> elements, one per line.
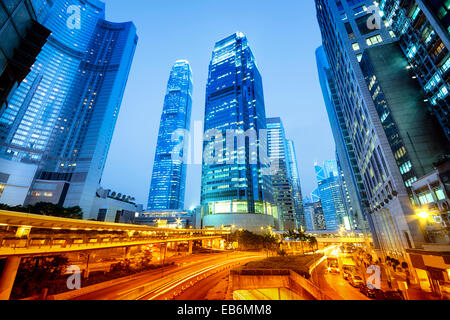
<point>424,215</point>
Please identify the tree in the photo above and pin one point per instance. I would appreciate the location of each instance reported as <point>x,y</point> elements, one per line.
<point>312,241</point>
<point>36,273</point>
<point>269,242</point>
<point>47,209</point>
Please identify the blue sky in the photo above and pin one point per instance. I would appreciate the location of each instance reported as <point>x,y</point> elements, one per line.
<point>283,35</point>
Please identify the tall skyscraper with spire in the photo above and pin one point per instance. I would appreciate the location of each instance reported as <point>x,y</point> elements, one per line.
<point>296,186</point>
<point>235,190</point>
<point>57,127</point>
<point>167,189</point>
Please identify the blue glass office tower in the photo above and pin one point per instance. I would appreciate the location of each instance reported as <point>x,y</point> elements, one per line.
<point>345,153</point>
<point>22,37</point>
<point>235,103</point>
<point>331,195</point>
<point>282,178</point>
<point>60,120</point>
<point>167,187</point>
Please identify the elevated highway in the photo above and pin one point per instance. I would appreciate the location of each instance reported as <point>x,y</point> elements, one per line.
<point>25,235</point>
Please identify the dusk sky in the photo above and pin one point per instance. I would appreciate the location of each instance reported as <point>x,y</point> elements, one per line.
<point>283,35</point>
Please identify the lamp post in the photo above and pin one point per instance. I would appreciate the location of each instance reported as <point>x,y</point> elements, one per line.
<point>424,216</point>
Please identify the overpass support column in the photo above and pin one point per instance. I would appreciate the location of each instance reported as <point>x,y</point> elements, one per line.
<point>127,253</point>
<point>86,271</point>
<point>8,276</point>
<point>191,244</point>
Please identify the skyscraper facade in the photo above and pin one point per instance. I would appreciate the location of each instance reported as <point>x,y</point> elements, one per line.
<point>58,124</point>
<point>319,217</point>
<point>423,30</point>
<point>309,216</point>
<point>363,60</point>
<point>167,189</point>
<point>296,185</point>
<point>234,180</point>
<point>282,178</point>
<point>345,155</point>
<point>22,38</point>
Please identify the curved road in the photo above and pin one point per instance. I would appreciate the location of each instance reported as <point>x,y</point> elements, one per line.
<point>200,291</point>
<point>189,277</point>
<point>161,283</point>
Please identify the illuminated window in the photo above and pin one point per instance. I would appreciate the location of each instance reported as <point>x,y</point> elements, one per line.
<point>374,40</point>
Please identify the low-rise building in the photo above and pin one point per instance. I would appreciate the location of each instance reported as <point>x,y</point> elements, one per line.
<point>111,206</point>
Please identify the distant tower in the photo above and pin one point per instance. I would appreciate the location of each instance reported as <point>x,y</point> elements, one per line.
<point>296,186</point>
<point>331,195</point>
<point>167,188</point>
<point>281,180</point>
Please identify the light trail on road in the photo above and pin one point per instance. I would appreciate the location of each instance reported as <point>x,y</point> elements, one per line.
<point>172,285</point>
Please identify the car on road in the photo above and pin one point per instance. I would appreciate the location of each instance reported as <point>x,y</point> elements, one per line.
<point>346,274</point>
<point>393,295</point>
<point>356,281</point>
<point>369,292</point>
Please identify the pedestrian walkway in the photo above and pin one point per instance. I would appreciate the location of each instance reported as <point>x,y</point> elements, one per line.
<point>414,291</point>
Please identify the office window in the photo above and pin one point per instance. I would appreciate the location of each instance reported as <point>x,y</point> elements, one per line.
<point>374,40</point>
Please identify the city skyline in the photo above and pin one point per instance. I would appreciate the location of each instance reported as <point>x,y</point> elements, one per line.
<point>295,170</point>
<point>137,94</point>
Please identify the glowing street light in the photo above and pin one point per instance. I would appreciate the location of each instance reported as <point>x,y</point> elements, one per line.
<point>423,215</point>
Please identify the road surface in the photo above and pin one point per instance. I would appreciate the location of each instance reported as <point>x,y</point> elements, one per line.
<point>157,284</point>
<point>335,286</point>
<point>200,291</point>
<point>188,277</point>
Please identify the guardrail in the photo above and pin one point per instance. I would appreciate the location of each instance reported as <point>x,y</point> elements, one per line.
<point>297,283</point>
<point>22,246</point>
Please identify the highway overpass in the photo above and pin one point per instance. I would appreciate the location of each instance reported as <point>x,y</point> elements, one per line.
<point>25,235</point>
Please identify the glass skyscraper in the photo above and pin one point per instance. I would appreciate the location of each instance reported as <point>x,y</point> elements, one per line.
<point>385,114</point>
<point>281,179</point>
<point>296,185</point>
<point>59,122</point>
<point>21,39</point>
<point>233,181</point>
<point>167,188</point>
<point>358,206</point>
<point>331,195</point>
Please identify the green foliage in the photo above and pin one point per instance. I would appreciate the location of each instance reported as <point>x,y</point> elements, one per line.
<point>36,273</point>
<point>47,209</point>
<point>250,240</point>
<point>301,236</point>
